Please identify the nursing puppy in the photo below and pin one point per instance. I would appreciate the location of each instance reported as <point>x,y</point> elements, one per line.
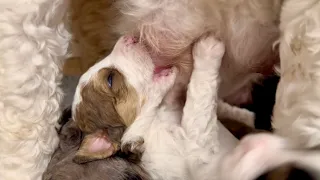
<point>124,87</point>
<point>62,167</point>
<point>168,28</point>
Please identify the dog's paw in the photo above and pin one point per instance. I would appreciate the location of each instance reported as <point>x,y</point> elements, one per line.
<point>262,148</point>
<point>133,145</point>
<point>208,52</point>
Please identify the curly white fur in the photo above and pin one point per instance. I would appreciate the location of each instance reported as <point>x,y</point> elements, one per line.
<point>33,43</point>
<point>296,112</point>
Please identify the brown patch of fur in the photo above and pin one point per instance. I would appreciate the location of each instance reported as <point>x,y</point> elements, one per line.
<point>102,107</point>
<point>105,111</point>
<point>92,25</point>
<point>284,172</point>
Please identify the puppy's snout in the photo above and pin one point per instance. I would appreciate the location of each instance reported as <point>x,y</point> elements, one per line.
<point>128,40</point>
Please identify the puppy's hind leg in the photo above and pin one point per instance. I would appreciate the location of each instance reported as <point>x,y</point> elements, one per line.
<point>199,114</point>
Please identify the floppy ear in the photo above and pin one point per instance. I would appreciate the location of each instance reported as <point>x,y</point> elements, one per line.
<point>99,145</point>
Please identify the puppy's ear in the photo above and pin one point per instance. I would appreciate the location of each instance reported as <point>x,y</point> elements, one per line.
<point>99,145</point>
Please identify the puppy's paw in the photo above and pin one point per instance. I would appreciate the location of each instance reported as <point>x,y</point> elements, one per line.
<point>133,145</point>
<point>208,52</point>
<point>263,148</point>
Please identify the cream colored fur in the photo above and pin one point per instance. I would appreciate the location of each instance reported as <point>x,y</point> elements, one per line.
<point>296,113</point>
<point>175,144</point>
<point>296,117</point>
<point>259,153</point>
<point>33,43</point>
<point>247,27</point>
<point>92,24</point>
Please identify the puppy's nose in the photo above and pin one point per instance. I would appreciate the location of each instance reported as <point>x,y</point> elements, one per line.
<point>130,40</point>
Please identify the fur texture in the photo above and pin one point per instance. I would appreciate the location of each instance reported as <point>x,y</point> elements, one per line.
<point>92,24</point>
<point>173,142</point>
<point>187,145</point>
<point>61,165</point>
<point>33,43</point>
<point>296,114</point>
<point>248,29</point>
<point>259,153</point>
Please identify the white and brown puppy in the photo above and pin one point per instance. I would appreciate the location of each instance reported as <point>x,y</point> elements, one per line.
<point>125,88</point>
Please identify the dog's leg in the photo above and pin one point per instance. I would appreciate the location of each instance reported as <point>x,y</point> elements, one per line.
<point>199,114</point>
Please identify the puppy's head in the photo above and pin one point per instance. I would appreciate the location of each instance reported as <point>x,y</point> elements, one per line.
<point>112,93</point>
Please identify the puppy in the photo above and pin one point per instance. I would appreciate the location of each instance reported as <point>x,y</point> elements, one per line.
<point>61,165</point>
<point>127,88</point>
<point>168,28</point>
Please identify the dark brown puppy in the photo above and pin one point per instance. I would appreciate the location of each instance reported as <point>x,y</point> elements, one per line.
<point>62,167</point>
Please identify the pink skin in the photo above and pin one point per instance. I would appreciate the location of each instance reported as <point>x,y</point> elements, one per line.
<point>158,71</point>
<point>162,73</point>
<point>99,144</point>
<point>128,40</point>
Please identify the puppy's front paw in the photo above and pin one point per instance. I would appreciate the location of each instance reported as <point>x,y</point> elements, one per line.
<point>133,145</point>
<point>208,52</point>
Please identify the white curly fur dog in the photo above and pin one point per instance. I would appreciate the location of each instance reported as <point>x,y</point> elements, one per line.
<point>33,43</point>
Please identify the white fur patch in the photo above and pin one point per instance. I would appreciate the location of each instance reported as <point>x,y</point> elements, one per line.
<point>296,112</point>
<point>33,45</point>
